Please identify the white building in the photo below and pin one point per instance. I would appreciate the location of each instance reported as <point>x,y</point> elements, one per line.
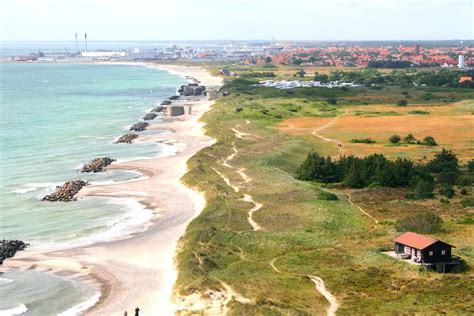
<point>103,54</point>
<point>461,61</point>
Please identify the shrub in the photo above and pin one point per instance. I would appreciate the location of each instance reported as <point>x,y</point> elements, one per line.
<point>444,200</point>
<point>467,202</point>
<point>445,160</point>
<point>463,191</point>
<point>395,139</point>
<point>331,101</point>
<point>409,139</point>
<point>423,189</point>
<point>327,196</point>
<point>402,102</point>
<point>429,141</point>
<point>419,112</point>
<point>447,190</point>
<point>470,166</point>
<point>363,141</point>
<point>466,180</point>
<point>424,223</point>
<point>447,177</point>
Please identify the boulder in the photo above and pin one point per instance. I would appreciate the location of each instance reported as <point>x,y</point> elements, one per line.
<point>150,116</point>
<point>127,138</point>
<point>166,102</point>
<point>140,126</point>
<point>65,192</point>
<point>8,248</point>
<point>97,165</point>
<point>158,108</point>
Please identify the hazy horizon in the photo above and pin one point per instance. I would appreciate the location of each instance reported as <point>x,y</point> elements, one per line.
<point>239,20</point>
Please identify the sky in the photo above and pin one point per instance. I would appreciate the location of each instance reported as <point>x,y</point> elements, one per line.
<point>57,20</point>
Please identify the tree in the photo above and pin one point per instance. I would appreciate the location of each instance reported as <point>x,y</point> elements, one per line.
<point>429,141</point>
<point>355,177</point>
<point>321,77</point>
<point>395,139</point>
<point>332,101</point>
<point>445,160</point>
<point>268,60</point>
<point>409,139</point>
<point>402,102</point>
<point>423,189</point>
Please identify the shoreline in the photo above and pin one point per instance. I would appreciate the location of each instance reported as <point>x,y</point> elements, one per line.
<point>139,270</point>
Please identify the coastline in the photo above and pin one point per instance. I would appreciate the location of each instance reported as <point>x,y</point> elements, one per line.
<point>140,270</point>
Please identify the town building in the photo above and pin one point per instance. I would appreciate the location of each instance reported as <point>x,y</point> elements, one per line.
<point>426,251</point>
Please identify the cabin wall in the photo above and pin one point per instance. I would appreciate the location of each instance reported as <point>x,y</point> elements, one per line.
<point>436,251</point>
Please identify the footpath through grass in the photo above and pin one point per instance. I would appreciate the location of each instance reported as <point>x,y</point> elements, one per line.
<point>302,235</point>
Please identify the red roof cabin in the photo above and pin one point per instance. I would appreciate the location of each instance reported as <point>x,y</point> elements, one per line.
<point>462,79</point>
<point>426,251</point>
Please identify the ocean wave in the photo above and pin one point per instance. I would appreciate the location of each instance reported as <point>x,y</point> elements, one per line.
<point>81,307</point>
<point>5,281</point>
<point>31,187</point>
<point>20,309</point>
<point>121,227</point>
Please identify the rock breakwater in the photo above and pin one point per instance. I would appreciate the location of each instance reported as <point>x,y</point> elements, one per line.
<point>150,116</point>
<point>140,126</point>
<point>97,165</point>
<point>127,138</point>
<point>66,192</point>
<point>8,248</point>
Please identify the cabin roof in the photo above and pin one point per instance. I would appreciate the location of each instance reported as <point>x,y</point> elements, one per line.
<point>416,241</point>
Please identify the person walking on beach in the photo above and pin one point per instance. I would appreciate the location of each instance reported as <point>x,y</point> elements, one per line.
<point>137,311</point>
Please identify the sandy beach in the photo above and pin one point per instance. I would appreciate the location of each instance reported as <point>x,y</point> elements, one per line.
<point>140,270</point>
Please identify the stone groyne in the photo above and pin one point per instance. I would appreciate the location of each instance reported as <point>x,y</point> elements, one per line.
<point>65,192</point>
<point>126,139</point>
<point>8,248</point>
<point>97,165</point>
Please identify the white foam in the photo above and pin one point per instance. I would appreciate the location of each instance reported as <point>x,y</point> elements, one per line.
<point>120,227</point>
<point>23,191</point>
<point>31,187</point>
<point>81,307</point>
<point>20,309</point>
<point>5,281</point>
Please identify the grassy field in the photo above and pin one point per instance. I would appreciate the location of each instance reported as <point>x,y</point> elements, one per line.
<point>301,234</point>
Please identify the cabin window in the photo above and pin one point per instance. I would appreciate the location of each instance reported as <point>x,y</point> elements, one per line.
<point>443,252</point>
<point>430,253</point>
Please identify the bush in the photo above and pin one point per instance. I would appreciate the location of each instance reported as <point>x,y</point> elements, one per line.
<point>444,200</point>
<point>445,160</point>
<point>429,141</point>
<point>466,180</point>
<point>409,139</point>
<point>467,202</point>
<point>363,141</point>
<point>331,101</point>
<point>447,190</point>
<point>447,177</point>
<point>424,223</point>
<point>423,189</point>
<point>402,102</point>
<point>419,112</point>
<point>470,166</point>
<point>327,196</point>
<point>463,191</point>
<point>395,139</point>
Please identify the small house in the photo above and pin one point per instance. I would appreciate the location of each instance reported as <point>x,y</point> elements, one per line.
<point>425,251</point>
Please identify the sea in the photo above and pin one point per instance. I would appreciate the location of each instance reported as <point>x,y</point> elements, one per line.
<point>53,119</point>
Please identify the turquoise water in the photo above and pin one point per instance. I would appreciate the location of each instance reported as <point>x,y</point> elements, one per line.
<point>55,117</point>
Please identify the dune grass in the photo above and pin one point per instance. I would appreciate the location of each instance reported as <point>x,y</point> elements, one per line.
<point>302,234</point>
